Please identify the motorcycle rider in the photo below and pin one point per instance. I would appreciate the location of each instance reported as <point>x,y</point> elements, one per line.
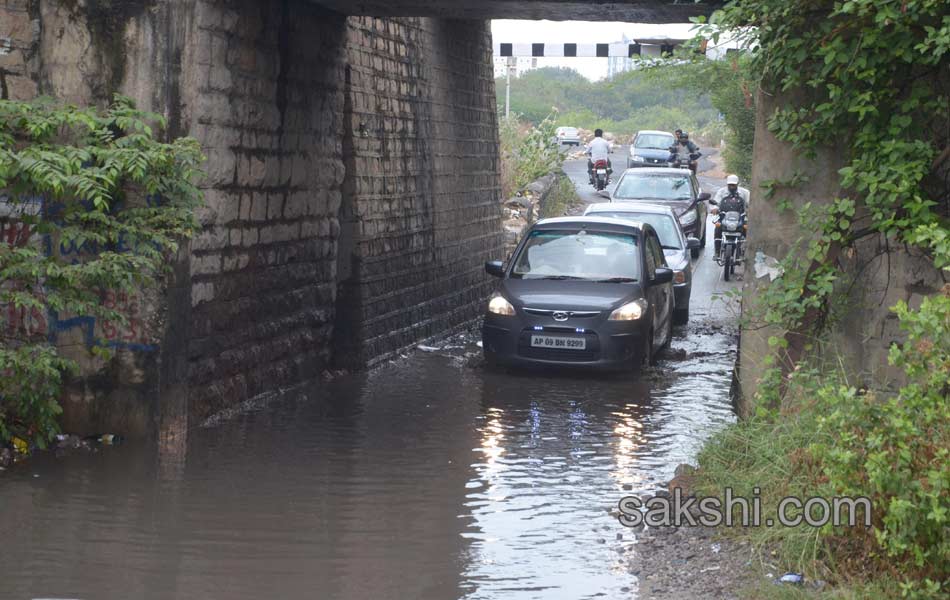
<point>597,149</point>
<point>729,198</point>
<point>684,149</point>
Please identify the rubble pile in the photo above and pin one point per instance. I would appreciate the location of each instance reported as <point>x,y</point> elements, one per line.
<point>522,210</point>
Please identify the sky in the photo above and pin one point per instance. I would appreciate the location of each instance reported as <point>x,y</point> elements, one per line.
<point>581,32</point>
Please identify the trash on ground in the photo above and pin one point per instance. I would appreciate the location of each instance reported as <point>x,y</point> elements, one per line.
<point>767,265</point>
<point>20,445</point>
<point>793,578</point>
<point>425,348</point>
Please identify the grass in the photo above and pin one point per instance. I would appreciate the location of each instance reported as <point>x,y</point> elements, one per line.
<point>760,453</point>
<point>561,197</point>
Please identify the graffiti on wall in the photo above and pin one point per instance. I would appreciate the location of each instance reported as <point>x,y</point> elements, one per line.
<point>21,321</point>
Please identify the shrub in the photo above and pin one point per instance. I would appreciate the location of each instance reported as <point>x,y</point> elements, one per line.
<point>80,178</point>
<point>896,451</point>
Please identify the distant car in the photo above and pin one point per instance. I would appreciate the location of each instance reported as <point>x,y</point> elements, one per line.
<point>676,245</point>
<point>568,136</point>
<point>676,188</point>
<point>650,148</point>
<point>581,291</point>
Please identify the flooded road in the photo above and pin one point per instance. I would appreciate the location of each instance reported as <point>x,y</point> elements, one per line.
<point>431,477</point>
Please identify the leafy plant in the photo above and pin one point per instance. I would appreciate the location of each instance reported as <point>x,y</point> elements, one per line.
<point>80,178</point>
<point>527,152</point>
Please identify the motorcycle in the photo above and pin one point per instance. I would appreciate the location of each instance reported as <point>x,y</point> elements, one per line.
<point>678,161</point>
<point>733,228</point>
<point>601,175</point>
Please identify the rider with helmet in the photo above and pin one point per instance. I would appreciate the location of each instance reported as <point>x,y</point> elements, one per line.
<point>684,150</point>
<point>727,199</point>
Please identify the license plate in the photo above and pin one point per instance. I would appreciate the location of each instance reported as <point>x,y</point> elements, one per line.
<point>601,171</point>
<point>558,342</point>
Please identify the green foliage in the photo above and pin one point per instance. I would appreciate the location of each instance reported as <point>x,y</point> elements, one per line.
<point>561,197</point>
<point>622,105</point>
<point>527,152</point>
<point>85,179</point>
<point>727,84</point>
<point>865,81</point>
<point>896,450</point>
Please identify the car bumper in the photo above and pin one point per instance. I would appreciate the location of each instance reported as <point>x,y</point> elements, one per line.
<point>610,345</point>
<point>681,293</point>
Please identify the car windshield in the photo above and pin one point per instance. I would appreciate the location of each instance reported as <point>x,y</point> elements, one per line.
<point>636,186</point>
<point>578,255</point>
<point>666,227</point>
<point>653,141</point>
<point>567,130</point>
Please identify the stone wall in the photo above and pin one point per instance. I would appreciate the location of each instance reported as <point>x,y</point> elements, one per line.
<point>359,145</point>
<point>421,212</point>
<point>268,109</point>
<point>865,326</point>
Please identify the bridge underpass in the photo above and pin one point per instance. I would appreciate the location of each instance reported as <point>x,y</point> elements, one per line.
<point>352,178</point>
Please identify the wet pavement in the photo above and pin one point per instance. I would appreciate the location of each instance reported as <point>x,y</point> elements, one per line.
<point>431,477</point>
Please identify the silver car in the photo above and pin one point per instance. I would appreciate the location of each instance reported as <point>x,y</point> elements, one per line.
<point>568,135</point>
<point>676,246</point>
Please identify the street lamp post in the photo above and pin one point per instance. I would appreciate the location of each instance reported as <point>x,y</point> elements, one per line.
<point>512,65</point>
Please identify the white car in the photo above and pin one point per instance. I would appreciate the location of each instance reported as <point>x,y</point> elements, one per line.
<point>568,135</point>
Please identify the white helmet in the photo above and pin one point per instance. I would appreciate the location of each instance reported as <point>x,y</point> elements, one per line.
<point>732,180</point>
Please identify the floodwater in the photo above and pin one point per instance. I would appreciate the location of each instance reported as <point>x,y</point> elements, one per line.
<point>431,477</point>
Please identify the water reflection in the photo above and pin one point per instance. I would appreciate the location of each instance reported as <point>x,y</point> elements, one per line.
<point>426,479</point>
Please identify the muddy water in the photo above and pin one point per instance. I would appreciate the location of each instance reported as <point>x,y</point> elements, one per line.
<point>430,478</point>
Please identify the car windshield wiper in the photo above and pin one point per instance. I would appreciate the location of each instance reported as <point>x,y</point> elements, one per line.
<point>557,277</point>
<point>616,280</point>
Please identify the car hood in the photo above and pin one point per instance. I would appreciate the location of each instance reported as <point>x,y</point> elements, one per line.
<point>678,206</point>
<point>676,259</point>
<point>651,153</point>
<point>569,295</point>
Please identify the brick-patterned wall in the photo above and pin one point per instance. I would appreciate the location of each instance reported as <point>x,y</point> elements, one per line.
<point>352,182</point>
<point>268,110</point>
<point>422,191</point>
<point>17,39</point>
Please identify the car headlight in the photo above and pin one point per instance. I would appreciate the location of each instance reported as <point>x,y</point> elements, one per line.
<point>636,158</point>
<point>679,277</point>
<point>688,218</point>
<point>631,311</point>
<point>499,306</point>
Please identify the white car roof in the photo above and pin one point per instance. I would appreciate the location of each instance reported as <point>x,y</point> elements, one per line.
<point>655,132</point>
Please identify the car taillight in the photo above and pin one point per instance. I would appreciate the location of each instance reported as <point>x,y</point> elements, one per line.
<point>679,277</point>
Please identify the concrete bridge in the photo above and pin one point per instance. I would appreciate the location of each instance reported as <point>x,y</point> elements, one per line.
<point>352,178</point>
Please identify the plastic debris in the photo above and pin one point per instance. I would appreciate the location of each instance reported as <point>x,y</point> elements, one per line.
<point>425,348</point>
<point>20,445</point>
<point>716,547</point>
<point>766,265</point>
<point>793,578</point>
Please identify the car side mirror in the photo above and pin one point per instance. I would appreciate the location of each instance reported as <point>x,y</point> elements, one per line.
<point>704,197</point>
<point>692,243</point>
<point>495,268</point>
<point>663,275</point>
